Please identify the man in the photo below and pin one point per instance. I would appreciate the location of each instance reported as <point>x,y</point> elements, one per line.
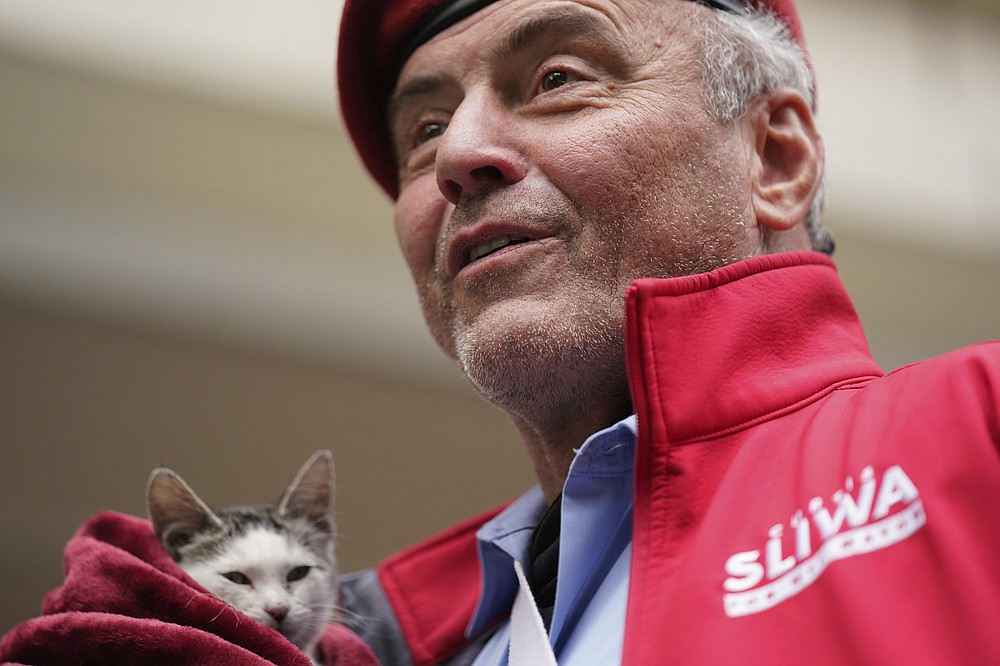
<point>607,207</point>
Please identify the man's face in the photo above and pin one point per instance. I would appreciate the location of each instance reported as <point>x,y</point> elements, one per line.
<point>551,152</point>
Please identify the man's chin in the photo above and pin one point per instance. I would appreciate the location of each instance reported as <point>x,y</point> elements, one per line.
<point>523,362</point>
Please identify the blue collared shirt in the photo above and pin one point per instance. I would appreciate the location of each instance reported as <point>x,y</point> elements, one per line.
<point>588,622</point>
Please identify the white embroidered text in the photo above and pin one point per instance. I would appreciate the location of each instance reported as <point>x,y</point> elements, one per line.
<point>758,581</point>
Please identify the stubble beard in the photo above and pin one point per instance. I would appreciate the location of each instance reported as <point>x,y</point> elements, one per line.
<point>550,359</point>
<point>544,354</point>
<point>545,366</point>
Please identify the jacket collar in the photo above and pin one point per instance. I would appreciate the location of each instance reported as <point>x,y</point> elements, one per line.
<point>716,352</point>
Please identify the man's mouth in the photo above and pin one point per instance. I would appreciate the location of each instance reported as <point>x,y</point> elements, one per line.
<point>492,245</point>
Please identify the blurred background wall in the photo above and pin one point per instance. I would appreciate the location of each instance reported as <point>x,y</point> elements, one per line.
<point>194,270</point>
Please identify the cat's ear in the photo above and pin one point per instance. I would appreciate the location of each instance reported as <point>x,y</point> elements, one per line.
<point>310,494</point>
<point>176,512</point>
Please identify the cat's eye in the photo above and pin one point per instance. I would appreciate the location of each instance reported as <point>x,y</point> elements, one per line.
<point>298,573</point>
<point>236,577</point>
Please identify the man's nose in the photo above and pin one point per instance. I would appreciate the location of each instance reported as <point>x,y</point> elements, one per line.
<point>480,150</point>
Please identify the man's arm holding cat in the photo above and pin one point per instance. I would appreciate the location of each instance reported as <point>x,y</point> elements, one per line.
<point>124,600</point>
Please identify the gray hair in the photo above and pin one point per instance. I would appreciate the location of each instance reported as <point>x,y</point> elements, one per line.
<point>744,56</point>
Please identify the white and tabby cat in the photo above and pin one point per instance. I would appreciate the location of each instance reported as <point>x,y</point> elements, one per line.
<point>274,563</point>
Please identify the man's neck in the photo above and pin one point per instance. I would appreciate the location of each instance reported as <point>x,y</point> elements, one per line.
<point>552,445</point>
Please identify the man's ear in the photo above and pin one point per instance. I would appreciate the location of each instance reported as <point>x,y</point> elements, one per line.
<point>788,164</point>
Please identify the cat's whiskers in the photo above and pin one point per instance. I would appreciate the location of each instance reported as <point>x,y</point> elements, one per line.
<point>353,619</point>
<point>230,607</point>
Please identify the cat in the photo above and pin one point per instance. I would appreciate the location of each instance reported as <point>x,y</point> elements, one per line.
<point>274,563</point>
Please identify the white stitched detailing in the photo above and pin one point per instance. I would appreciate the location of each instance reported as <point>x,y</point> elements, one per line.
<point>857,541</point>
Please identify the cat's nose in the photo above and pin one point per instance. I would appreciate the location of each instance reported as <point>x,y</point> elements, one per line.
<point>277,612</point>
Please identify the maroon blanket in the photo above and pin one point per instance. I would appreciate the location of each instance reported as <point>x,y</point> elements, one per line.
<point>124,601</point>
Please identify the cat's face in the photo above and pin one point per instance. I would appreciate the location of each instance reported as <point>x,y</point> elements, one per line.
<point>274,563</point>
<point>274,579</point>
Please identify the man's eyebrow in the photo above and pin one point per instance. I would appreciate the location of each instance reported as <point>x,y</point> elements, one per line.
<point>415,87</point>
<point>533,30</point>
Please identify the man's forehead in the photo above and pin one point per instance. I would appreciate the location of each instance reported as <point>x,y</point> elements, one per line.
<point>450,13</point>
<point>520,26</point>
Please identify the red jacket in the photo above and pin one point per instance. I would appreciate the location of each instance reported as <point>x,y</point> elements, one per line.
<point>792,504</point>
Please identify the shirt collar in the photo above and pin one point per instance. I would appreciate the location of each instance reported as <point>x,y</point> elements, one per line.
<point>507,536</point>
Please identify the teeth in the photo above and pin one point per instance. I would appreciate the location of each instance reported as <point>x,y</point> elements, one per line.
<point>486,247</point>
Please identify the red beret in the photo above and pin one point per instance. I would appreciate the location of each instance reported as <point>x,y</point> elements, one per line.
<point>375,34</point>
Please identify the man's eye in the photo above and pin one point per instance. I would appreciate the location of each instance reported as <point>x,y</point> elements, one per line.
<point>429,131</point>
<point>555,79</point>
